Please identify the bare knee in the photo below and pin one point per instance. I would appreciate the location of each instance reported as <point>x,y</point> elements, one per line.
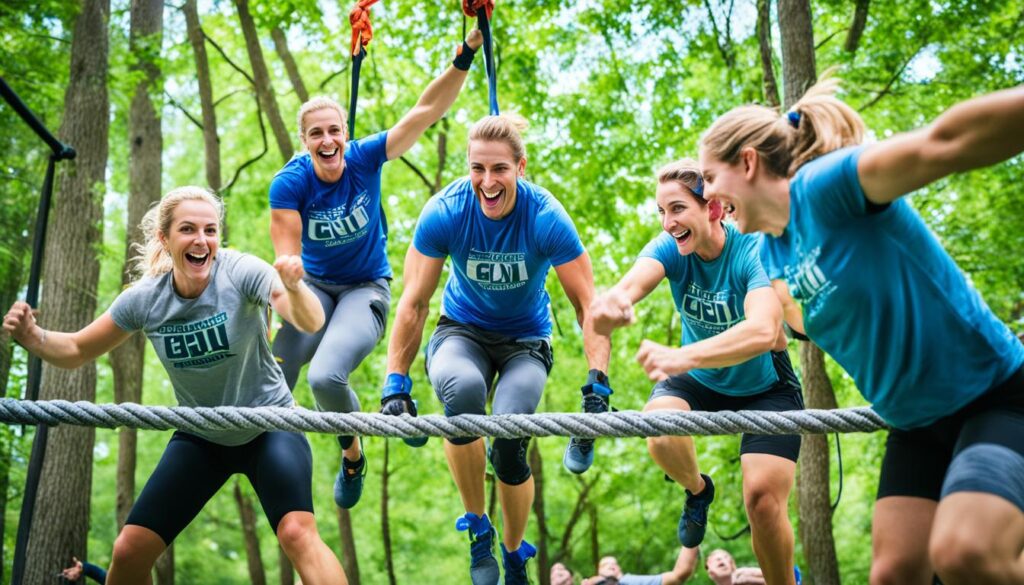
<point>297,531</point>
<point>959,558</point>
<point>763,505</point>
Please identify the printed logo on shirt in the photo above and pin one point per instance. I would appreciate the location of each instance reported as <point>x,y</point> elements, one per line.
<point>339,225</point>
<point>497,270</point>
<point>808,284</point>
<point>198,344</point>
<point>713,311</point>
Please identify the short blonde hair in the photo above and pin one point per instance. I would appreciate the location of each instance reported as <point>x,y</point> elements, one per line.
<point>507,128</point>
<point>152,258</point>
<point>818,124</point>
<point>315,104</point>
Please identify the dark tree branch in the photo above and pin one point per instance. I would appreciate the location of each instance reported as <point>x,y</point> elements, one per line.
<point>182,109</point>
<point>895,77</point>
<point>860,20</point>
<point>724,47</point>
<point>831,36</point>
<point>228,59</point>
<point>228,95</point>
<point>764,39</point>
<point>419,173</point>
<point>577,513</point>
<point>263,136</point>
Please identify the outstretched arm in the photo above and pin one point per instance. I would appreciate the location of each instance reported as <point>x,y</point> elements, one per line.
<point>755,335</point>
<point>972,134</point>
<point>286,232</point>
<point>577,278</point>
<point>686,566</point>
<point>64,350</point>
<point>421,276</point>
<point>614,308</point>
<point>435,101</point>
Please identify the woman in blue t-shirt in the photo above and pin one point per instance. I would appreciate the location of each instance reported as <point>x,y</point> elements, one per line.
<point>205,311</point>
<point>326,206</point>
<point>883,298</point>
<point>503,234</point>
<point>731,323</point>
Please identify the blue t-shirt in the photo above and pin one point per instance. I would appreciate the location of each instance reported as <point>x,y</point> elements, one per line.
<point>498,266</point>
<point>344,230</point>
<point>709,296</point>
<point>884,299</point>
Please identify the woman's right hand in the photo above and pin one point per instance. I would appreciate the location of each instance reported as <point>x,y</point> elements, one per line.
<point>610,311</point>
<point>20,322</point>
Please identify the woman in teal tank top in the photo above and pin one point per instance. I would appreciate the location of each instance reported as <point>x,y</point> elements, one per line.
<point>878,293</point>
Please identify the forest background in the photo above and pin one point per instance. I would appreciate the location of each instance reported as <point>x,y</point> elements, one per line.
<point>155,95</point>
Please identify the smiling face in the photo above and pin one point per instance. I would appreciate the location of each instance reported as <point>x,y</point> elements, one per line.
<point>755,198</point>
<point>493,171</point>
<point>324,137</point>
<point>192,242</point>
<point>688,220</point>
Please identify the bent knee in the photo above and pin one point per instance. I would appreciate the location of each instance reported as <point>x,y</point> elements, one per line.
<point>958,557</point>
<point>296,530</point>
<point>762,503</point>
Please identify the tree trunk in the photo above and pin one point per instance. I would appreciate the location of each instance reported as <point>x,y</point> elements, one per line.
<point>165,567</point>
<point>348,547</point>
<point>385,521</point>
<point>860,20</point>
<point>211,143</point>
<point>264,88</point>
<point>70,275</point>
<point>257,576</point>
<point>764,40</point>
<point>287,570</point>
<point>798,66</point>
<point>285,54</point>
<point>9,288</point>
<point>146,141</point>
<point>813,481</point>
<point>813,484</point>
<point>543,561</point>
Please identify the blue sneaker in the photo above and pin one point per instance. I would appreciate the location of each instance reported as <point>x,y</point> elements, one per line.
<point>515,563</point>
<point>483,567</point>
<point>348,487</point>
<point>694,520</point>
<point>579,454</point>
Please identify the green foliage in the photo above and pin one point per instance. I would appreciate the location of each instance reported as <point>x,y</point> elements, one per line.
<point>613,90</point>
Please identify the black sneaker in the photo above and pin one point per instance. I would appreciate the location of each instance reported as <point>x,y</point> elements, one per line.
<point>694,520</point>
<point>483,567</point>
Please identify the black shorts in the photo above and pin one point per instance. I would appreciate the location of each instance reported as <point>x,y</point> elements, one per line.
<point>279,466</point>
<point>916,460</point>
<point>784,395</point>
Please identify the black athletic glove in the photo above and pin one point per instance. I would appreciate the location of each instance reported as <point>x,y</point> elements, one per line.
<point>597,392</point>
<point>396,398</point>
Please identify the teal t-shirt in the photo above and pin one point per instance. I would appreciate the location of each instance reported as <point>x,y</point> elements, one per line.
<point>709,296</point>
<point>883,298</point>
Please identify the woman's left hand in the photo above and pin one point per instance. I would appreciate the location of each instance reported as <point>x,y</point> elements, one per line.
<point>289,268</point>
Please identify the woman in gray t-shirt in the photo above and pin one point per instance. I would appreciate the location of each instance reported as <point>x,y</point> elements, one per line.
<point>204,310</point>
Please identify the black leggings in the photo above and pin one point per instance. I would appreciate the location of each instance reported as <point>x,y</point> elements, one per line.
<point>279,466</point>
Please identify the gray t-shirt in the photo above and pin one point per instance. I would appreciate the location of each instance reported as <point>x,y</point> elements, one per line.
<point>640,580</point>
<point>214,347</point>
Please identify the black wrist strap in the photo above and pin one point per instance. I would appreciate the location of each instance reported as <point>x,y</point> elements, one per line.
<point>464,59</point>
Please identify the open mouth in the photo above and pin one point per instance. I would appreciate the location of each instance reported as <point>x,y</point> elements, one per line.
<point>681,236</point>
<point>492,199</point>
<point>328,155</point>
<point>197,259</point>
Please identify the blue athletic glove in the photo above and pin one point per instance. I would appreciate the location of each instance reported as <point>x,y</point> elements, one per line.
<point>396,399</point>
<point>597,392</point>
